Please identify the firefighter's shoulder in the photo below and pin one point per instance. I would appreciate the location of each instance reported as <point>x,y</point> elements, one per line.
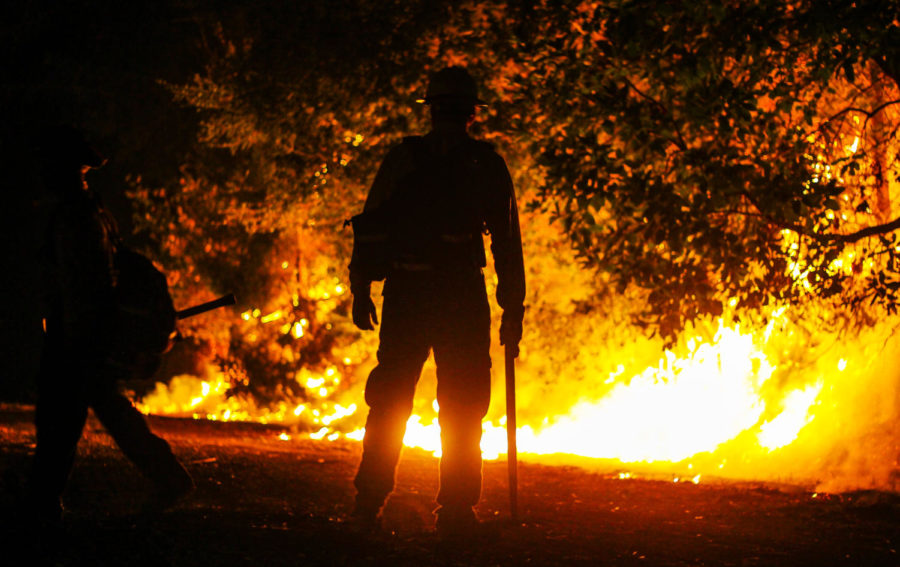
<point>404,151</point>
<point>485,153</point>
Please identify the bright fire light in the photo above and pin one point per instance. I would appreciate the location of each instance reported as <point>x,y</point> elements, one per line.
<point>669,412</point>
<point>782,430</point>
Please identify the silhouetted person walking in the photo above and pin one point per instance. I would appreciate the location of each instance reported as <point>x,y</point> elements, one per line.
<point>421,230</point>
<point>79,308</point>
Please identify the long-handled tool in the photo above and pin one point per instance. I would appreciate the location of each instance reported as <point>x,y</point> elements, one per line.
<point>204,307</point>
<point>512,461</point>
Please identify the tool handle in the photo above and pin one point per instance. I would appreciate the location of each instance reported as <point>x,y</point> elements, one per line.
<point>204,307</point>
<point>512,463</point>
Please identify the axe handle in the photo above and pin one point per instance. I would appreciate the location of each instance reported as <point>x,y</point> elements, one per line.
<point>204,307</point>
<point>512,463</point>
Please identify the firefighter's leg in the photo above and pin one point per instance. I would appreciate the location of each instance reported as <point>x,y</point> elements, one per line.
<point>390,388</point>
<point>463,393</point>
<point>128,427</point>
<point>60,414</point>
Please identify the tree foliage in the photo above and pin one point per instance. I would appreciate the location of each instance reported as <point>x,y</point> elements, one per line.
<point>291,127</point>
<point>706,153</point>
<point>698,156</point>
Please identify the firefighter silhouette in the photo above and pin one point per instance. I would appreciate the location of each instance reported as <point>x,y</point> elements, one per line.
<point>79,308</point>
<point>421,230</point>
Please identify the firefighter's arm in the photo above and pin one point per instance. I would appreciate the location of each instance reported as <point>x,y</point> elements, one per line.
<point>365,316</point>
<point>363,310</point>
<point>85,276</point>
<point>395,164</point>
<point>360,282</point>
<point>506,247</point>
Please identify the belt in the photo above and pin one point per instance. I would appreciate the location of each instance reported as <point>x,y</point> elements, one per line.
<point>413,267</point>
<point>457,238</point>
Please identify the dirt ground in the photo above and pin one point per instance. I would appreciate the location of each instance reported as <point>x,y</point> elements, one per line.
<point>267,502</point>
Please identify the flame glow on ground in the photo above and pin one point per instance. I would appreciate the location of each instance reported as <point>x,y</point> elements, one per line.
<point>723,407</point>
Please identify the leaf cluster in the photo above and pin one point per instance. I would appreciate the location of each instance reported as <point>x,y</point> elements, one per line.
<point>685,145</point>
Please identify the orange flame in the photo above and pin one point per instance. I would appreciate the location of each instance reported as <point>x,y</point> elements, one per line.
<point>699,403</point>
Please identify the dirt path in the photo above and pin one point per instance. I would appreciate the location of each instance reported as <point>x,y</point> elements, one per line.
<point>266,502</point>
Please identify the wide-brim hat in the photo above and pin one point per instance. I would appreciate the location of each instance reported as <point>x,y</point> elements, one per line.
<point>452,84</point>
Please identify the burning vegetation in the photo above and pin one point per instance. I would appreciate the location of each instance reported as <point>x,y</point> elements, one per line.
<point>710,234</point>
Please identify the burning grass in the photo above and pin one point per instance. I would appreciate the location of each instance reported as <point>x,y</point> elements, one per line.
<point>774,402</point>
<point>261,500</point>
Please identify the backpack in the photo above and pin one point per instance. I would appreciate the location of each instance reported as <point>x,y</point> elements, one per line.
<point>432,220</point>
<point>143,325</point>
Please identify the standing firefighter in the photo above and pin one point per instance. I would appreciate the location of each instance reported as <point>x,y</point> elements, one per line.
<point>421,231</point>
<point>80,314</point>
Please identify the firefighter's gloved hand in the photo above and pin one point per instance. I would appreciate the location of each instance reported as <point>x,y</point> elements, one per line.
<point>511,328</point>
<point>365,316</point>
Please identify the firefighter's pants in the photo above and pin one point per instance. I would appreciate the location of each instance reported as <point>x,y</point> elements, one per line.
<point>448,314</point>
<point>67,386</point>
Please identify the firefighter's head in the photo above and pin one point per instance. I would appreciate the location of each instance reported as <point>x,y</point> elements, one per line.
<point>452,96</point>
<point>67,147</point>
<point>65,156</point>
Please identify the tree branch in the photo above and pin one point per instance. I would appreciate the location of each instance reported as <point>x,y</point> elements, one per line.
<point>849,238</point>
<point>680,141</point>
<point>869,114</point>
<point>862,233</point>
<point>877,109</point>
